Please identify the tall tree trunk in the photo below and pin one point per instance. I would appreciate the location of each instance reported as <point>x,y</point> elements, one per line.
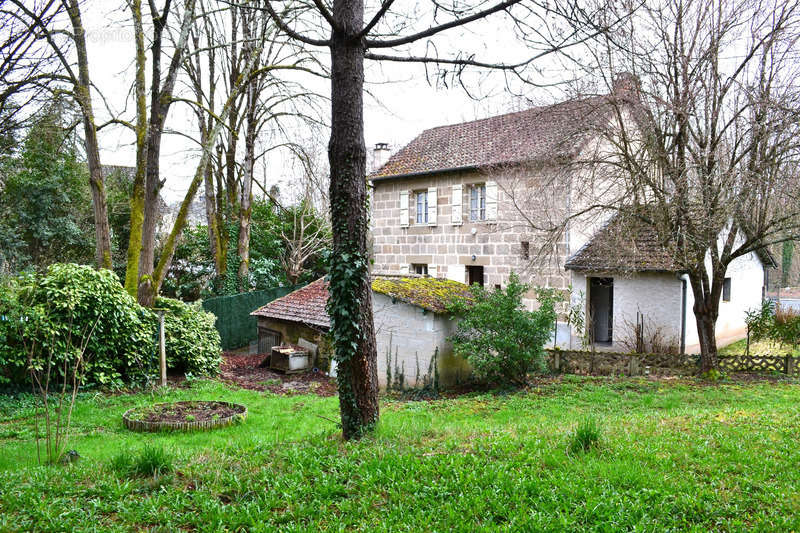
<point>350,301</point>
<point>212,219</point>
<point>102,229</point>
<point>160,102</point>
<point>708,341</point>
<point>137,197</point>
<point>706,311</point>
<point>165,259</point>
<point>146,291</point>
<point>246,199</point>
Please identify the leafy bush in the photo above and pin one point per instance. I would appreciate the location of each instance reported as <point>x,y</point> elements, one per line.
<point>760,321</point>
<point>775,323</point>
<point>585,436</point>
<point>499,337</point>
<point>192,343</point>
<point>787,326</point>
<point>51,313</point>
<point>48,314</point>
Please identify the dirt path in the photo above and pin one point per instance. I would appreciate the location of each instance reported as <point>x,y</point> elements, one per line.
<point>244,371</point>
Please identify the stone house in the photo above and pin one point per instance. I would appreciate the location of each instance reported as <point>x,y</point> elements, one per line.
<point>411,324</point>
<point>465,202</point>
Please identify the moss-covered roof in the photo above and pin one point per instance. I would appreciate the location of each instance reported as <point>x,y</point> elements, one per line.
<point>429,293</point>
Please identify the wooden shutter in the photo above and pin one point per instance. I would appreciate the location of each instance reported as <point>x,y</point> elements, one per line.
<point>403,209</point>
<point>491,200</point>
<point>432,206</point>
<point>455,206</point>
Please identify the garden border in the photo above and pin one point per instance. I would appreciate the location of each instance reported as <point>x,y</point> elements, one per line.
<point>203,425</point>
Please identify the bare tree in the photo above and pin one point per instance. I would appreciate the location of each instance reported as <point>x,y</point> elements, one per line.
<point>141,248</point>
<point>702,149</point>
<point>343,30</point>
<point>309,233</point>
<point>42,20</point>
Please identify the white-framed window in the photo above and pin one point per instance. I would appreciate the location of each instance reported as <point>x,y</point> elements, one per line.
<point>422,206</point>
<point>477,202</point>
<point>419,269</point>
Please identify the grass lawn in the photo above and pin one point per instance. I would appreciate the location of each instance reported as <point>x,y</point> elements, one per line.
<point>673,455</point>
<point>759,348</point>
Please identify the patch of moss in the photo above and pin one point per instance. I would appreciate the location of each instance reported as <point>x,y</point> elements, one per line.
<point>432,294</point>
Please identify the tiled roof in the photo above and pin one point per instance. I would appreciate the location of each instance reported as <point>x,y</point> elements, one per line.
<point>305,305</point>
<point>626,244</point>
<point>536,134</point>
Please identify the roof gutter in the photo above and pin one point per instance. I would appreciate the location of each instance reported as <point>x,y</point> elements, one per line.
<point>423,173</point>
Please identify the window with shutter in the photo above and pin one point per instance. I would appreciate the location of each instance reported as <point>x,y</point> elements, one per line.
<point>491,200</point>
<point>421,198</point>
<point>404,209</point>
<point>455,206</point>
<point>477,202</point>
<point>432,206</point>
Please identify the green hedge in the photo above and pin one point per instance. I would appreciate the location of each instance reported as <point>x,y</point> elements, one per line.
<point>54,313</point>
<point>235,325</point>
<point>191,341</point>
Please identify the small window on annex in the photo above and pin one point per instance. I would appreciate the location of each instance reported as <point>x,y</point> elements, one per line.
<point>525,250</point>
<point>726,290</point>
<point>477,202</point>
<point>422,207</point>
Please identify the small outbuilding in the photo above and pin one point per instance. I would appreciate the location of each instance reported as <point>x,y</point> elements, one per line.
<point>624,276</point>
<point>411,325</point>
<point>298,318</point>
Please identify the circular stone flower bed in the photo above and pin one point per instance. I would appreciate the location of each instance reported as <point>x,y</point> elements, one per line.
<point>182,416</point>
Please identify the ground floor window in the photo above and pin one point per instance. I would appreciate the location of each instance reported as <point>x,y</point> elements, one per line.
<point>420,269</point>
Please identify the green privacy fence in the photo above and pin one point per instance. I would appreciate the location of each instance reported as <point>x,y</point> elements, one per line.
<point>235,325</point>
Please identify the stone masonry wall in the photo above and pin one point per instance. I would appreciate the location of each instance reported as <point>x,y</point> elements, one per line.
<point>448,248</point>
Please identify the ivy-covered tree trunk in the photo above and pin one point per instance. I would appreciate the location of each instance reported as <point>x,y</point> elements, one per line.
<point>350,301</point>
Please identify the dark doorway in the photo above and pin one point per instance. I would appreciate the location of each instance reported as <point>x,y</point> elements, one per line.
<point>601,307</point>
<point>475,275</point>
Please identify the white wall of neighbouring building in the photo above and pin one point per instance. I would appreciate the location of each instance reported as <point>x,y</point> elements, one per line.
<point>411,335</point>
<point>747,281</point>
<point>656,296</point>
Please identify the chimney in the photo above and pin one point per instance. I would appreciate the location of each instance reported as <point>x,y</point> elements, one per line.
<point>380,155</point>
<point>626,86</point>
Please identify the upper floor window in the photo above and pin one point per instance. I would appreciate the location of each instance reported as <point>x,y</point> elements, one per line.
<point>422,207</point>
<point>477,202</point>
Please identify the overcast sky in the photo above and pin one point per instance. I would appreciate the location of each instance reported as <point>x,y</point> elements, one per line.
<point>401,103</point>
